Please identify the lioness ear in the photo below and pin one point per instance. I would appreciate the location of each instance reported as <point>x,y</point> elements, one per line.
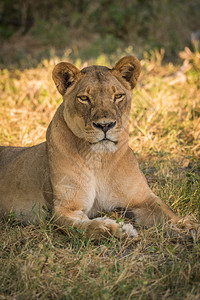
<point>64,74</point>
<point>129,68</point>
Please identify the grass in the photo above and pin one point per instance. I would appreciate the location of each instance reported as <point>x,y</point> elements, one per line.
<point>40,262</point>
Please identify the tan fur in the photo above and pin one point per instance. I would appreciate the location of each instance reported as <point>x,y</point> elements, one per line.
<point>76,173</point>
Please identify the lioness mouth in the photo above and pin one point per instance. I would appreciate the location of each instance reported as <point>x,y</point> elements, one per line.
<point>105,139</point>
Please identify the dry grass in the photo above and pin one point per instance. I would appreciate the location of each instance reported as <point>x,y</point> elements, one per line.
<point>43,263</point>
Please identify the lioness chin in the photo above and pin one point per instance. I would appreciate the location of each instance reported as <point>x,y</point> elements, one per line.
<point>85,166</point>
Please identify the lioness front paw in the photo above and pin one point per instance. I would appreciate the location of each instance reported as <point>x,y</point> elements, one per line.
<point>187,223</point>
<point>118,229</point>
<point>187,226</point>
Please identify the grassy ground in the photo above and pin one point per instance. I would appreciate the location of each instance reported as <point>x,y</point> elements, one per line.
<point>41,262</point>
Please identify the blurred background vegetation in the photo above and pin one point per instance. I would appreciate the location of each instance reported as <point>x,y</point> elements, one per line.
<point>33,30</point>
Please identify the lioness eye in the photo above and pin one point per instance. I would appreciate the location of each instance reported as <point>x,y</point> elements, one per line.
<point>83,98</point>
<point>118,96</point>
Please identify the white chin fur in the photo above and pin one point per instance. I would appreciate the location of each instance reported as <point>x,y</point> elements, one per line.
<point>104,146</point>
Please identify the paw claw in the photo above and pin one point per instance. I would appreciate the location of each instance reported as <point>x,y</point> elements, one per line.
<point>129,230</point>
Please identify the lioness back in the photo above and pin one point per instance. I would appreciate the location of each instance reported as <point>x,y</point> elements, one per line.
<point>23,176</point>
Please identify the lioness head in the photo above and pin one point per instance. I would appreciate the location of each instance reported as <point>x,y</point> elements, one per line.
<point>97,100</point>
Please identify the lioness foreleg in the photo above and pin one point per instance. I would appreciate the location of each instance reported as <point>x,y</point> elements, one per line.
<point>154,211</point>
<point>139,200</point>
<point>94,228</point>
<point>151,211</point>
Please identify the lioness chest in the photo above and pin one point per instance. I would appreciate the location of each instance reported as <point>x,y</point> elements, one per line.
<point>102,195</point>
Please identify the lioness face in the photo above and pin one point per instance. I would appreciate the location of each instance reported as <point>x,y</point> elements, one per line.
<point>97,107</point>
<point>97,100</point>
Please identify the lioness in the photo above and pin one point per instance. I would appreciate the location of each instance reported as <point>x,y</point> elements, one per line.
<point>85,166</point>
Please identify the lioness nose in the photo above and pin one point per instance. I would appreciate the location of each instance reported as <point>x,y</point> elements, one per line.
<point>104,126</point>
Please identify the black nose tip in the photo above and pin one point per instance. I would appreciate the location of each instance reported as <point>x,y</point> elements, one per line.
<point>104,126</point>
